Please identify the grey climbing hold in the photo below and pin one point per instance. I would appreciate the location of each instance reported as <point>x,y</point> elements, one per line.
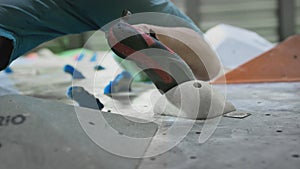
<point>84,98</point>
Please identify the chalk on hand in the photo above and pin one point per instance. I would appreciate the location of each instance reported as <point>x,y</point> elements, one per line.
<point>94,57</point>
<point>73,72</point>
<point>8,70</point>
<point>120,84</point>
<point>84,98</point>
<point>99,67</point>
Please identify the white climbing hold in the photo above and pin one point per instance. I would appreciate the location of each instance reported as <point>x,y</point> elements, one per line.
<point>193,100</point>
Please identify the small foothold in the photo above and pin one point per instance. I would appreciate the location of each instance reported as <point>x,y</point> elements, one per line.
<point>73,72</point>
<point>99,67</point>
<point>84,98</point>
<point>80,57</point>
<point>120,84</point>
<point>8,70</point>
<point>107,89</point>
<point>94,57</point>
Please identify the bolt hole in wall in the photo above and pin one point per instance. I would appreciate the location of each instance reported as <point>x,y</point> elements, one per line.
<point>295,155</point>
<point>193,157</point>
<point>197,85</point>
<point>152,158</point>
<point>295,57</point>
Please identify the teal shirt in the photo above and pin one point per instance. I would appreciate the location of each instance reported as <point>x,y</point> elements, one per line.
<point>31,22</point>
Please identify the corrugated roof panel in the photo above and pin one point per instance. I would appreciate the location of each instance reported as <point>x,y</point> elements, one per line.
<point>256,15</point>
<point>297,18</point>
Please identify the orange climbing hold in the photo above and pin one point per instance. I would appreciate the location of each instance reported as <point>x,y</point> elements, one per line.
<point>280,64</point>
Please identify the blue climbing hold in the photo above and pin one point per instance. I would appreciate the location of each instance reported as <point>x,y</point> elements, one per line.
<point>122,83</point>
<point>73,72</point>
<point>94,57</point>
<point>80,57</point>
<point>69,92</point>
<point>107,89</point>
<point>99,67</point>
<point>84,98</point>
<point>8,70</point>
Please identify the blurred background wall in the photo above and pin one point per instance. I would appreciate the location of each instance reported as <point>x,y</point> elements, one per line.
<point>273,19</point>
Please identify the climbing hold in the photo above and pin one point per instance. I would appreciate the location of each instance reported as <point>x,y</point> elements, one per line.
<point>94,57</point>
<point>279,64</point>
<point>193,100</point>
<point>84,98</point>
<point>80,57</point>
<point>121,83</point>
<point>99,67</point>
<point>8,70</point>
<point>73,72</point>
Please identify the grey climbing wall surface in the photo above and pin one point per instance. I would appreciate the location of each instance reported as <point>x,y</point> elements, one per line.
<point>51,136</point>
<point>43,134</point>
<point>269,138</point>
